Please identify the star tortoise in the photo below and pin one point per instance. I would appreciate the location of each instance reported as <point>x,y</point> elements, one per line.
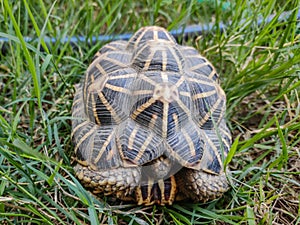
<point>148,122</point>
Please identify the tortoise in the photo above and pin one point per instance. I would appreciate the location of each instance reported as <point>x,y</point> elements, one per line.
<point>148,122</point>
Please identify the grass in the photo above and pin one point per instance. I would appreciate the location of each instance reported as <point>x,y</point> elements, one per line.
<point>259,68</point>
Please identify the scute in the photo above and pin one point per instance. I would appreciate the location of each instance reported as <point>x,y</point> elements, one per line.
<point>95,145</point>
<point>149,34</point>
<point>198,64</point>
<point>217,147</point>
<point>208,100</point>
<point>148,122</point>
<point>138,144</point>
<point>111,47</point>
<point>98,71</point>
<point>108,99</point>
<point>187,146</point>
<point>158,56</point>
<point>160,102</point>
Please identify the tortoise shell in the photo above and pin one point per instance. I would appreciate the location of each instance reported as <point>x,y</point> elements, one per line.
<point>149,122</point>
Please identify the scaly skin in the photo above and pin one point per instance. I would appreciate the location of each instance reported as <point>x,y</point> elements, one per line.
<point>200,186</point>
<point>124,183</point>
<point>120,182</point>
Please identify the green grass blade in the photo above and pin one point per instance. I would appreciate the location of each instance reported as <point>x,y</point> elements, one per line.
<point>37,30</point>
<point>250,216</point>
<point>31,65</point>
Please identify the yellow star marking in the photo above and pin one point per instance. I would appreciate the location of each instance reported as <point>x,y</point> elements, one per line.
<point>185,93</point>
<point>170,37</point>
<point>148,61</point>
<point>94,108</point>
<point>224,140</point>
<point>137,41</point>
<point>93,64</point>
<point>155,35</point>
<point>84,89</point>
<point>147,79</point>
<point>164,61</point>
<point>198,66</point>
<point>184,108</point>
<point>98,54</point>
<point>98,84</point>
<point>211,75</point>
<point>117,88</point>
<point>137,54</point>
<point>180,81</point>
<point>103,148</point>
<point>165,119</point>
<point>164,77</point>
<point>116,62</point>
<point>78,127</point>
<point>190,142</point>
<point>142,150</point>
<point>213,146</point>
<point>85,137</point>
<point>225,132</point>
<point>175,118</point>
<point>152,121</point>
<point>100,68</point>
<point>201,81</point>
<point>178,61</point>
<point>207,115</point>
<point>122,76</point>
<point>109,107</point>
<point>142,92</point>
<point>132,137</point>
<point>142,107</point>
<point>204,94</point>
